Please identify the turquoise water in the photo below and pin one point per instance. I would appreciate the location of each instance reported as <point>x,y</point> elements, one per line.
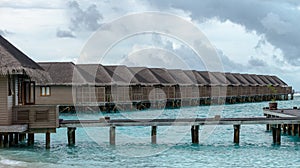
<point>173,148</point>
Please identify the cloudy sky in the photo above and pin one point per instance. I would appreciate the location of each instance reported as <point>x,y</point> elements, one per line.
<point>250,36</point>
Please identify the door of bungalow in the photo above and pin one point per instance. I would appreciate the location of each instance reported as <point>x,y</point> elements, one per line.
<point>26,92</point>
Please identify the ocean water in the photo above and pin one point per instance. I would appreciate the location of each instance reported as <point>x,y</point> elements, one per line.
<point>173,149</point>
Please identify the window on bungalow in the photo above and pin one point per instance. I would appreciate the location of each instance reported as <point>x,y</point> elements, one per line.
<point>45,91</point>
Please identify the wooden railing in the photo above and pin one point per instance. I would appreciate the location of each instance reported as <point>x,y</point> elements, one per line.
<point>36,116</point>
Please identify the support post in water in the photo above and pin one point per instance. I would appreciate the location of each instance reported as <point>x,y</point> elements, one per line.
<point>30,140</point>
<point>112,135</point>
<point>16,139</point>
<point>1,141</point>
<point>276,132</point>
<point>153,134</point>
<point>298,130</point>
<point>236,136</point>
<point>195,134</point>
<point>294,129</point>
<point>22,137</point>
<point>47,140</point>
<point>71,136</point>
<point>5,140</point>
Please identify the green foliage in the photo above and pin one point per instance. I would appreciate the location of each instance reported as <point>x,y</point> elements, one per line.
<point>273,91</point>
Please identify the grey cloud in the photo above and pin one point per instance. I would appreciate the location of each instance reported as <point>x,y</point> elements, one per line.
<point>277,20</point>
<point>64,34</point>
<point>88,19</point>
<point>256,62</point>
<point>230,65</point>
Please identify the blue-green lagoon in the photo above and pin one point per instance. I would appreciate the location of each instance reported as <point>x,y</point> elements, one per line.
<point>173,149</point>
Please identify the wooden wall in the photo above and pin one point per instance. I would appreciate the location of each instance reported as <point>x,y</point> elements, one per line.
<point>59,95</point>
<point>36,116</point>
<point>5,112</point>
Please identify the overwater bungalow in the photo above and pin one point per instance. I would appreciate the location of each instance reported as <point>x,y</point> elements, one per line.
<point>18,109</point>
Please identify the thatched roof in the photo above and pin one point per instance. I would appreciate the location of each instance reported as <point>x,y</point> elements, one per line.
<point>279,81</point>
<point>242,79</point>
<point>196,77</point>
<point>14,61</point>
<point>144,76</point>
<point>219,78</point>
<point>232,80</point>
<point>97,74</point>
<point>163,76</point>
<point>181,77</point>
<point>63,73</point>
<point>121,75</point>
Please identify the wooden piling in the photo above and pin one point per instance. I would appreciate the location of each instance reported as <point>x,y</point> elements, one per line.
<point>298,130</point>
<point>294,129</point>
<point>112,135</point>
<point>267,125</point>
<point>289,129</point>
<point>276,132</point>
<point>236,137</point>
<point>11,139</point>
<point>153,134</point>
<point>47,140</point>
<point>16,139</point>
<point>22,137</point>
<point>195,134</point>
<point>1,141</point>
<point>30,140</point>
<point>5,140</point>
<point>284,128</point>
<point>71,136</point>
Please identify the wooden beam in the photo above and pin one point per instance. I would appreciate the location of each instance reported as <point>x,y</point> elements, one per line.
<point>30,140</point>
<point>22,137</point>
<point>153,134</point>
<point>16,138</point>
<point>298,130</point>
<point>294,129</point>
<point>48,140</point>
<point>1,141</point>
<point>284,128</point>
<point>289,129</point>
<point>11,139</point>
<point>71,136</point>
<point>195,134</point>
<point>236,137</point>
<point>112,135</point>
<point>5,141</point>
<point>276,132</point>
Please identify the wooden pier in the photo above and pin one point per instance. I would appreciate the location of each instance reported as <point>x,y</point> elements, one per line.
<point>291,129</point>
<point>281,121</point>
<point>194,123</point>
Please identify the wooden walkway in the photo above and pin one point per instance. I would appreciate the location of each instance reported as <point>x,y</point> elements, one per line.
<point>179,122</point>
<point>195,123</point>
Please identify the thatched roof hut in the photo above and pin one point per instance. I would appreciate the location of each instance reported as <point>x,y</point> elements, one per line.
<point>181,77</point>
<point>144,76</point>
<point>279,81</point>
<point>14,61</point>
<point>121,75</point>
<point>232,80</point>
<point>163,76</point>
<point>63,73</point>
<point>242,79</point>
<point>196,77</point>
<point>98,74</point>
